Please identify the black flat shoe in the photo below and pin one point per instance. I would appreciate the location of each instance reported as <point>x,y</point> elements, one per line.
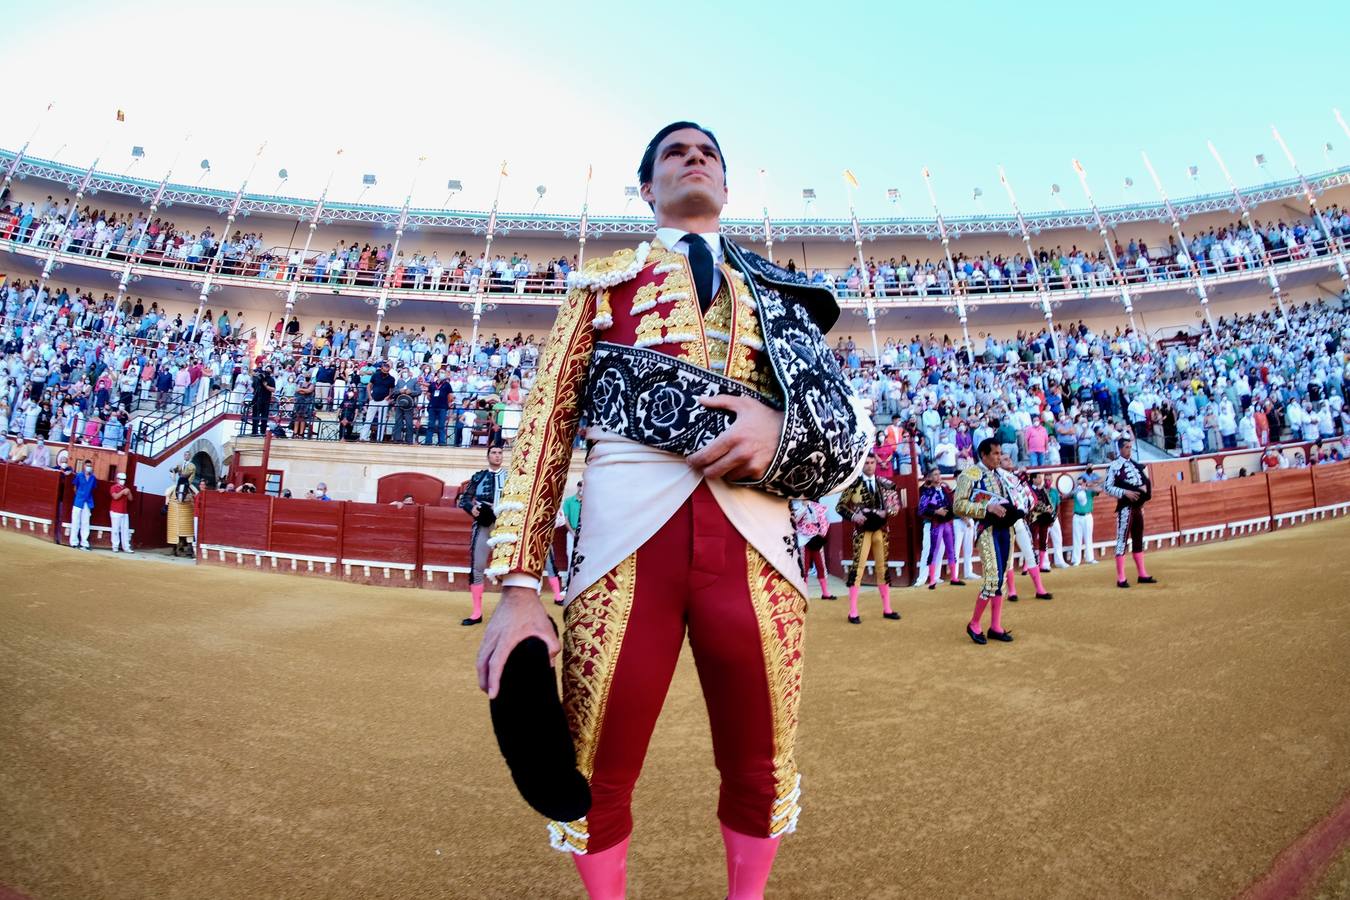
<point>1043,571</point>
<point>1122,584</point>
<point>855,620</point>
<point>976,636</point>
<point>472,621</point>
<point>1012,598</point>
<point>1147,579</point>
<point>957,583</point>
<point>933,586</point>
<point>1046,596</point>
<point>1004,636</point>
<point>828,597</point>
<point>557,603</point>
<point>890,615</point>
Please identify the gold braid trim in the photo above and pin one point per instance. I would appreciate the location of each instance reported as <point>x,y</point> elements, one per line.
<point>596,622</point>
<point>543,446</point>
<point>781,611</point>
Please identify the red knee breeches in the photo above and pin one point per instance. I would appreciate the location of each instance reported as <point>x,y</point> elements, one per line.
<point>622,640</point>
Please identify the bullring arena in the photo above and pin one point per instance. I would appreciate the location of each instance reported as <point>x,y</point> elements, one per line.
<point>253,675</point>
<point>174,731</point>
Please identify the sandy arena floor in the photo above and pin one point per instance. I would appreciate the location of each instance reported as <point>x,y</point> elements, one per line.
<point>173,731</point>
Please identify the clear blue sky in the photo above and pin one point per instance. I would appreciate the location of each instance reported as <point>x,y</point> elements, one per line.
<point>800,90</point>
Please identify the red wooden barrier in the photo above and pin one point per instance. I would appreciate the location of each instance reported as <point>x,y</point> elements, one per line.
<point>235,520</point>
<point>1290,490</point>
<point>306,528</point>
<point>1217,502</point>
<point>1331,483</point>
<point>375,532</point>
<point>445,536</point>
<point>32,492</point>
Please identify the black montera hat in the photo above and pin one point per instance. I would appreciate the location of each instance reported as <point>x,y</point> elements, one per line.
<point>531,728</point>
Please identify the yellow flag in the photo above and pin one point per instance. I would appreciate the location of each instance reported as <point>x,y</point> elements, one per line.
<point>848,176</point>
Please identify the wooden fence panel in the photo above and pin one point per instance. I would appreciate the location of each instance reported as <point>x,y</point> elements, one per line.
<point>306,527</point>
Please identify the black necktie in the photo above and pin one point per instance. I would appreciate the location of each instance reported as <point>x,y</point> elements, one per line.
<point>701,263</point>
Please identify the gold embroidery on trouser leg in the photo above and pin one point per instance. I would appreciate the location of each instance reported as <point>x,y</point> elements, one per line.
<point>781,611</point>
<point>991,584</point>
<point>595,623</point>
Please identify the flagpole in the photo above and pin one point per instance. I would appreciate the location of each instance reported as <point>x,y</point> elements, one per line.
<point>386,282</point>
<point>50,264</point>
<point>585,204</point>
<point>293,292</point>
<point>863,280</point>
<point>1041,286</point>
<point>214,264</point>
<point>18,157</point>
<point>768,230</point>
<point>1336,244</point>
<point>1110,249</point>
<point>484,277</point>
<point>957,291</point>
<point>1266,265</point>
<point>125,276</point>
<point>1181,236</point>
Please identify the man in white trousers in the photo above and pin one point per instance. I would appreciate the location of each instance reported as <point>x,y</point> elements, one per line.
<point>117,511</point>
<point>1087,487</point>
<point>965,546</point>
<point>82,507</point>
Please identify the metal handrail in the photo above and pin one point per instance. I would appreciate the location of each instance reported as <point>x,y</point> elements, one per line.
<point>153,438</point>
<point>1098,283</point>
<point>566,225</point>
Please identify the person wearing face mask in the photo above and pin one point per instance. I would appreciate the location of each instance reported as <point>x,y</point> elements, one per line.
<point>82,507</point>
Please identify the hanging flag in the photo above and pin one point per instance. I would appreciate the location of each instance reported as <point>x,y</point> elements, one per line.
<point>50,105</point>
<point>1078,167</point>
<point>504,172</point>
<point>589,168</point>
<point>925,171</point>
<point>848,176</point>
<point>121,116</point>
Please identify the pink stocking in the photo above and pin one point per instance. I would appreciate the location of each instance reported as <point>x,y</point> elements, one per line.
<point>477,591</point>
<point>933,572</point>
<point>1120,568</point>
<point>980,605</point>
<point>853,602</point>
<point>996,616</point>
<point>1035,574</point>
<point>1012,587</point>
<point>1138,565</point>
<point>604,873</point>
<point>1045,559</point>
<point>556,585</point>
<point>749,862</point>
<point>885,597</point>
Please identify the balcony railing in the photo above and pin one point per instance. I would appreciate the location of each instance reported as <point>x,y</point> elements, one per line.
<point>274,270</point>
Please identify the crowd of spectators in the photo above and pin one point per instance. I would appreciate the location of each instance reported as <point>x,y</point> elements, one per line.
<point>438,389</point>
<point>1258,380</point>
<point>1215,251</point>
<point>156,240</point>
<point>81,368</point>
<point>74,367</point>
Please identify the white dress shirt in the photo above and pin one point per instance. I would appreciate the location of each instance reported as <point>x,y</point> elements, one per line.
<point>671,239</point>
